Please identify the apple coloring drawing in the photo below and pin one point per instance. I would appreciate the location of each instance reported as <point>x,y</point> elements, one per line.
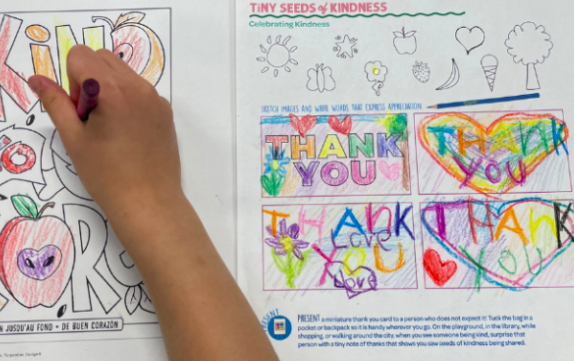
<point>36,255</point>
<point>405,42</point>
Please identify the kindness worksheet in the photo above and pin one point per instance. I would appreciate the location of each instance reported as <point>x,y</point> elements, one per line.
<point>404,177</point>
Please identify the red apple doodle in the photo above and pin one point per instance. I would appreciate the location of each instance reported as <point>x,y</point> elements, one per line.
<point>405,42</point>
<point>138,45</point>
<point>37,255</point>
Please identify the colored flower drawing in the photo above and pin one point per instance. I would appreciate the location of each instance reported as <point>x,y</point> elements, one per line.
<point>273,178</point>
<point>287,250</point>
<point>276,162</point>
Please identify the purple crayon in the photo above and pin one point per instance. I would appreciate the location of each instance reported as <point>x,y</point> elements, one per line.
<point>88,98</point>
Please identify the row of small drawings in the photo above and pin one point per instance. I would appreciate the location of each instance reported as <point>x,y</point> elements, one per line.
<point>527,43</point>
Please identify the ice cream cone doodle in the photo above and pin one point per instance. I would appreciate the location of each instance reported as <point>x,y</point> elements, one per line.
<point>489,66</point>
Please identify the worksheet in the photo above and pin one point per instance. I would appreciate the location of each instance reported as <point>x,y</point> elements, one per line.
<point>404,177</point>
<point>64,276</point>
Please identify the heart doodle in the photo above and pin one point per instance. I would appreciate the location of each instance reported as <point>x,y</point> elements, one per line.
<point>392,172</point>
<point>440,272</point>
<point>304,124</point>
<point>341,126</point>
<point>497,158</point>
<point>502,242</point>
<point>471,38</point>
<point>40,264</point>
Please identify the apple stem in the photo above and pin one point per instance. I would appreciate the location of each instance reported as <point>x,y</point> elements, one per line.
<point>46,206</point>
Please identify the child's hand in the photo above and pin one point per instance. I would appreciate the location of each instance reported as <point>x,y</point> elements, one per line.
<point>127,158</point>
<point>126,153</point>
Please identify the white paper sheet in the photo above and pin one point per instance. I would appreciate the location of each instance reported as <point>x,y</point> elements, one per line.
<point>372,225</point>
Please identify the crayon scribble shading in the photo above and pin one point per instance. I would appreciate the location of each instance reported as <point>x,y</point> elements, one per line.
<point>367,247</point>
<point>494,159</point>
<point>515,245</point>
<point>334,155</point>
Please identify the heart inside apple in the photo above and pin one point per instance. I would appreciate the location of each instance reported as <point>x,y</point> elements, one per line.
<point>36,255</point>
<point>40,264</point>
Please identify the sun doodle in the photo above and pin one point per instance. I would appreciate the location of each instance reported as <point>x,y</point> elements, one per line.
<point>277,55</point>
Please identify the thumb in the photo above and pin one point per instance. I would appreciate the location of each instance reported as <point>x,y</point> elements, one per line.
<point>59,106</point>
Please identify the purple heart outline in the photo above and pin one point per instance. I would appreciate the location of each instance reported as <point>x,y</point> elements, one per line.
<point>41,264</point>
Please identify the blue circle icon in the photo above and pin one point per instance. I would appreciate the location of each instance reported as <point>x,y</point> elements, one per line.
<point>279,327</point>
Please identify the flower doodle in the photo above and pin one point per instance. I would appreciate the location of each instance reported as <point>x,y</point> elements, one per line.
<point>376,73</point>
<point>273,179</point>
<point>276,162</point>
<point>287,250</point>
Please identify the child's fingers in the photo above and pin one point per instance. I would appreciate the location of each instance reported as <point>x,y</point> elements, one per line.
<point>58,105</point>
<point>83,64</point>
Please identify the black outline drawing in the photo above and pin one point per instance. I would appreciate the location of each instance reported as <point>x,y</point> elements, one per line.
<point>421,71</point>
<point>37,40</point>
<point>279,48</point>
<point>453,78</point>
<point>346,48</point>
<point>95,275</point>
<point>123,270</point>
<point>374,78</point>
<point>61,176</point>
<point>402,35</point>
<point>489,65</point>
<point>38,151</point>
<point>62,311</point>
<point>467,37</point>
<point>531,52</point>
<point>62,64</point>
<point>320,78</point>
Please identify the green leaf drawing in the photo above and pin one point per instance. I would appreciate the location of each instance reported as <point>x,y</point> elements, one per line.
<point>396,123</point>
<point>25,206</point>
<point>290,265</point>
<point>273,183</point>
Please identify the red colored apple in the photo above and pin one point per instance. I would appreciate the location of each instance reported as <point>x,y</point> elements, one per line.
<point>405,42</point>
<point>36,255</point>
<point>138,45</point>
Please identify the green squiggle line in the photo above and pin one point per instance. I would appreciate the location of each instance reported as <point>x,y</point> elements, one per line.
<point>352,16</point>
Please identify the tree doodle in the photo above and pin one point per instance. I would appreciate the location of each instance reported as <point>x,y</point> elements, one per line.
<point>369,247</point>
<point>476,243</point>
<point>337,154</point>
<point>529,44</point>
<point>495,158</point>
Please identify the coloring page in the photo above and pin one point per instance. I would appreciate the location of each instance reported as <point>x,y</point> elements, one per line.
<point>63,273</point>
<point>404,177</point>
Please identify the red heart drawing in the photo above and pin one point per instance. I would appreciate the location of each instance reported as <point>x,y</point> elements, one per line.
<point>440,272</point>
<point>392,172</point>
<point>304,124</point>
<point>341,126</point>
